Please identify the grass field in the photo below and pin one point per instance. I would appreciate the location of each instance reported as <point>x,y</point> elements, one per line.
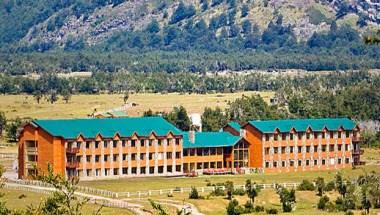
<point>152,183</point>
<point>81,105</point>
<point>12,200</point>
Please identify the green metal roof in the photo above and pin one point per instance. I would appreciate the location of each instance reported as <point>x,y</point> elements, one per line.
<point>332,124</point>
<point>125,127</point>
<point>118,114</point>
<point>235,125</point>
<point>210,139</point>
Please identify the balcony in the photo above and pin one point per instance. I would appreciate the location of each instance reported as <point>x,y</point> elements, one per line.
<point>72,164</point>
<point>358,152</point>
<point>72,150</point>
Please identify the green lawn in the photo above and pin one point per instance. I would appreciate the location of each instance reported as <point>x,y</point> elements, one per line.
<point>152,183</point>
<point>12,200</point>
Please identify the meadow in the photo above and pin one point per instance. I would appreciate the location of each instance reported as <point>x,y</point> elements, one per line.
<point>80,106</point>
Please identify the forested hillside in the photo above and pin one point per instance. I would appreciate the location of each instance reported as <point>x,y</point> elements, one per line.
<point>203,35</point>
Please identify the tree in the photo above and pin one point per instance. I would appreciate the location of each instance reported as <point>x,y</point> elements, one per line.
<point>252,190</point>
<point>232,207</point>
<point>38,96</point>
<point>287,198</point>
<point>213,120</point>
<point>229,189</point>
<point>182,12</point>
<point>372,39</point>
<point>194,193</point>
<point>320,184</point>
<point>12,129</point>
<point>340,184</point>
<point>66,95</point>
<point>179,118</point>
<point>161,210</point>
<point>52,97</point>
<point>126,97</point>
<point>3,122</point>
<point>244,10</point>
<point>246,27</point>
<point>153,26</point>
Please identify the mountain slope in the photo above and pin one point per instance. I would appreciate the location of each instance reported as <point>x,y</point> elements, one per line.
<point>95,21</point>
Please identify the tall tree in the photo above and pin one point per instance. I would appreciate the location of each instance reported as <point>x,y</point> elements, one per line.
<point>213,120</point>
<point>3,122</point>
<point>178,116</point>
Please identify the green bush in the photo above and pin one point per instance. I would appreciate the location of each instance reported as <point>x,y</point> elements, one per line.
<point>218,192</point>
<point>330,207</point>
<point>249,207</point>
<point>193,193</point>
<point>306,185</point>
<point>239,192</point>
<point>259,208</point>
<point>272,211</point>
<point>322,202</point>
<point>349,213</point>
<point>330,186</point>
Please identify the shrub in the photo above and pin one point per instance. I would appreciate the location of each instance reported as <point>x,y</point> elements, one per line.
<point>193,193</point>
<point>259,208</point>
<point>330,186</point>
<point>349,213</point>
<point>322,202</point>
<point>248,207</point>
<point>218,192</point>
<point>170,195</point>
<point>232,207</point>
<point>330,207</point>
<point>272,211</point>
<point>306,185</point>
<point>239,192</point>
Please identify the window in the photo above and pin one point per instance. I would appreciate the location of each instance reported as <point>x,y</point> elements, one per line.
<point>124,157</point>
<point>339,134</point>
<point>125,170</point>
<point>323,135</point>
<point>323,162</point>
<point>142,156</point>
<point>79,144</point>
<point>275,164</point>
<point>339,160</point>
<point>267,150</point>
<point>114,143</point>
<point>206,151</point>
<point>133,156</point>
<point>331,148</point>
<point>115,157</point>
<point>150,142</point>
<point>300,135</point>
<point>307,149</point>
<point>283,136</point>
<point>266,137</point>
<point>307,162</point>
<point>283,150</point>
<point>275,150</point>
<point>267,164</point>
<point>159,142</point>
<point>87,145</point>
<point>150,156</point>
<point>347,160</point>
<point>347,134</point>
<point>299,149</point>
<point>88,158</point>
<point>212,151</point>
<point>178,155</point>
<point>169,155</point>
<point>105,158</point>
<point>283,164</point>
<point>308,136</point>
<point>331,134</point>
<point>168,142</point>
<point>299,162</point>
<point>292,149</point>
<point>177,141</point>
<point>324,148</point>
<point>115,172</point>
<point>88,172</point>
<point>96,144</point>
<point>291,163</point>
<point>275,137</point>
<point>97,158</point>
<point>339,147</point>
<point>199,151</point>
<point>315,162</point>
<point>105,143</point>
<point>185,152</point>
<point>291,136</point>
<point>347,147</point>
<point>134,170</point>
<point>133,143</point>
<point>123,143</point>
<point>315,135</point>
<point>142,143</point>
<point>315,148</point>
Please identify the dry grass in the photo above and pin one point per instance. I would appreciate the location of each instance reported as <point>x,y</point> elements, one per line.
<point>13,201</point>
<point>81,105</point>
<point>154,183</point>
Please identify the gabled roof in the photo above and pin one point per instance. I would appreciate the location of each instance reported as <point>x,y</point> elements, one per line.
<point>210,139</point>
<point>301,125</point>
<point>235,125</point>
<point>107,128</point>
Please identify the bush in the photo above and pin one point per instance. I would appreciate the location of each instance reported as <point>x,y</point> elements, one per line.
<point>232,207</point>
<point>330,186</point>
<point>306,185</point>
<point>259,208</point>
<point>249,207</point>
<point>218,192</point>
<point>193,193</point>
<point>349,213</point>
<point>272,211</point>
<point>330,207</point>
<point>322,202</point>
<point>239,192</point>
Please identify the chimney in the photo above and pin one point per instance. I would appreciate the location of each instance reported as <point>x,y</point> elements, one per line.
<point>192,136</point>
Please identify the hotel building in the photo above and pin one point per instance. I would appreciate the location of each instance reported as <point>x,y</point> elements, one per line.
<point>151,146</point>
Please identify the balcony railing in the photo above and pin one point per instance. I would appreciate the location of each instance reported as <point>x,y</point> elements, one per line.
<point>357,139</point>
<point>72,164</point>
<point>358,152</point>
<point>72,150</point>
